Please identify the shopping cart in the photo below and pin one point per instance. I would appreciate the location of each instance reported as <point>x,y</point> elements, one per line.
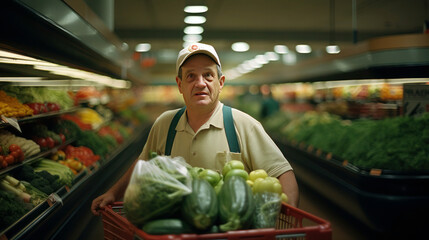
<point>293,223</point>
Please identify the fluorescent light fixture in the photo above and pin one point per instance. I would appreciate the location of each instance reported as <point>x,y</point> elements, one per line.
<point>261,59</point>
<point>281,49</point>
<point>196,9</point>
<point>143,47</point>
<point>289,59</point>
<point>271,56</point>
<point>193,30</point>
<point>240,47</point>
<point>303,48</point>
<point>21,79</point>
<point>192,38</point>
<point>333,49</point>
<point>195,19</point>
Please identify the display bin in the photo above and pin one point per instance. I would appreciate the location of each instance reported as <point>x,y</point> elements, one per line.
<point>292,223</point>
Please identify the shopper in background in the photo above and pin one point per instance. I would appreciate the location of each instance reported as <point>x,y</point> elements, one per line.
<point>200,137</point>
<point>269,105</point>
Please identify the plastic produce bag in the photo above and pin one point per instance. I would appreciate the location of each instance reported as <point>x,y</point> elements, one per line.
<point>156,189</point>
<point>268,206</point>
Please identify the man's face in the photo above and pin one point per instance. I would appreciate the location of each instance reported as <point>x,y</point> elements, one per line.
<point>200,85</point>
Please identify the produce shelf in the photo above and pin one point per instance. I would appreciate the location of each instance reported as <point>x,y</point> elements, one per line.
<point>50,218</point>
<point>386,201</point>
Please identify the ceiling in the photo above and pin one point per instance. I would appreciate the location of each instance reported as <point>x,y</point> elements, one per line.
<point>262,24</point>
<point>100,36</point>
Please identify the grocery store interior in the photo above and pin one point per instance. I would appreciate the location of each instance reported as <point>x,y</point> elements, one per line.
<point>346,84</point>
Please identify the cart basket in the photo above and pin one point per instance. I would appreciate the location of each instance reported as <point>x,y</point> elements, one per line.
<point>292,223</point>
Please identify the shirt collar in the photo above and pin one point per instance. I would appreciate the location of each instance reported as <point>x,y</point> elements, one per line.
<point>216,120</point>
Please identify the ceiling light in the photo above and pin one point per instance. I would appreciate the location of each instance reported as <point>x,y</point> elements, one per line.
<point>289,59</point>
<point>143,47</point>
<point>195,19</point>
<point>303,48</point>
<point>192,38</point>
<point>240,47</point>
<point>196,9</point>
<point>281,49</point>
<point>194,30</point>
<point>333,49</point>
<point>261,59</point>
<point>271,56</point>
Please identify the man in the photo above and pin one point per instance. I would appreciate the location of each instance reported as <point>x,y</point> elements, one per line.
<point>199,134</point>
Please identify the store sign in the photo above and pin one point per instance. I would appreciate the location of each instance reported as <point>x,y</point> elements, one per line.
<point>416,99</point>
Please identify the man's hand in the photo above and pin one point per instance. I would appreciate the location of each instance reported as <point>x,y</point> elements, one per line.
<point>101,202</point>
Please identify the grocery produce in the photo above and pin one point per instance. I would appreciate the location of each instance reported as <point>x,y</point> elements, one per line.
<point>90,116</point>
<point>83,154</point>
<point>153,192</point>
<point>200,207</point>
<point>234,168</point>
<point>236,204</point>
<point>41,95</point>
<point>166,226</point>
<point>64,173</point>
<point>267,209</point>
<point>11,107</point>
<point>398,143</point>
<point>11,209</point>
<point>209,175</point>
<point>28,147</point>
<point>42,180</point>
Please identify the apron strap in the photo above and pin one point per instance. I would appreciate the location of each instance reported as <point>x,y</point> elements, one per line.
<point>228,123</point>
<point>231,135</point>
<point>172,131</point>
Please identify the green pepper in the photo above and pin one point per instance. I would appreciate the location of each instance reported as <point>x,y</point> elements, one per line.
<point>237,172</point>
<point>233,164</point>
<point>218,186</point>
<point>268,184</point>
<point>211,176</point>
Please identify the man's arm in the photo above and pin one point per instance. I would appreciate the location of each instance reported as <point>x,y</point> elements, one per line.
<point>290,187</point>
<point>115,193</point>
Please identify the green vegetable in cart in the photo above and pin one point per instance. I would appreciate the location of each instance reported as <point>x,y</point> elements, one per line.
<point>166,226</point>
<point>210,176</point>
<point>237,172</point>
<point>200,208</point>
<point>154,192</point>
<point>233,164</point>
<point>267,209</point>
<point>236,204</point>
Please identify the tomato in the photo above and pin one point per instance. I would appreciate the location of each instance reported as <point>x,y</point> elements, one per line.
<point>50,142</point>
<point>3,164</point>
<point>15,155</point>
<point>63,138</point>
<point>211,176</point>
<point>9,159</point>
<point>41,142</point>
<point>13,147</point>
<point>260,173</point>
<point>233,164</point>
<point>237,172</point>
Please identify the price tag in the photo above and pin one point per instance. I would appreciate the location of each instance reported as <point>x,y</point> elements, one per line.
<point>53,198</point>
<point>375,172</point>
<point>11,121</point>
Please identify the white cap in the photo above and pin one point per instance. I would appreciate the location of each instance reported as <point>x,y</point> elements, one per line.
<point>194,49</point>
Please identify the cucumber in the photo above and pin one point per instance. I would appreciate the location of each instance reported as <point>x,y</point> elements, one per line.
<point>200,208</point>
<point>166,226</point>
<point>236,204</point>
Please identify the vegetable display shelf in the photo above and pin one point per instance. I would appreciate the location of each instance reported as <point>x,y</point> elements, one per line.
<point>50,218</point>
<point>39,117</point>
<point>35,158</point>
<point>386,201</point>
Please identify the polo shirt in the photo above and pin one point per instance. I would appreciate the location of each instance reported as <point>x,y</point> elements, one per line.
<point>208,147</point>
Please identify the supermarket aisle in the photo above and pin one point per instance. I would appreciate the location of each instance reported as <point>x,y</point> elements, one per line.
<point>344,226</point>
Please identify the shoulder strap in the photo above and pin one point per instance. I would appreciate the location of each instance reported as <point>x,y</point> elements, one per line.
<point>172,131</point>
<point>231,135</point>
